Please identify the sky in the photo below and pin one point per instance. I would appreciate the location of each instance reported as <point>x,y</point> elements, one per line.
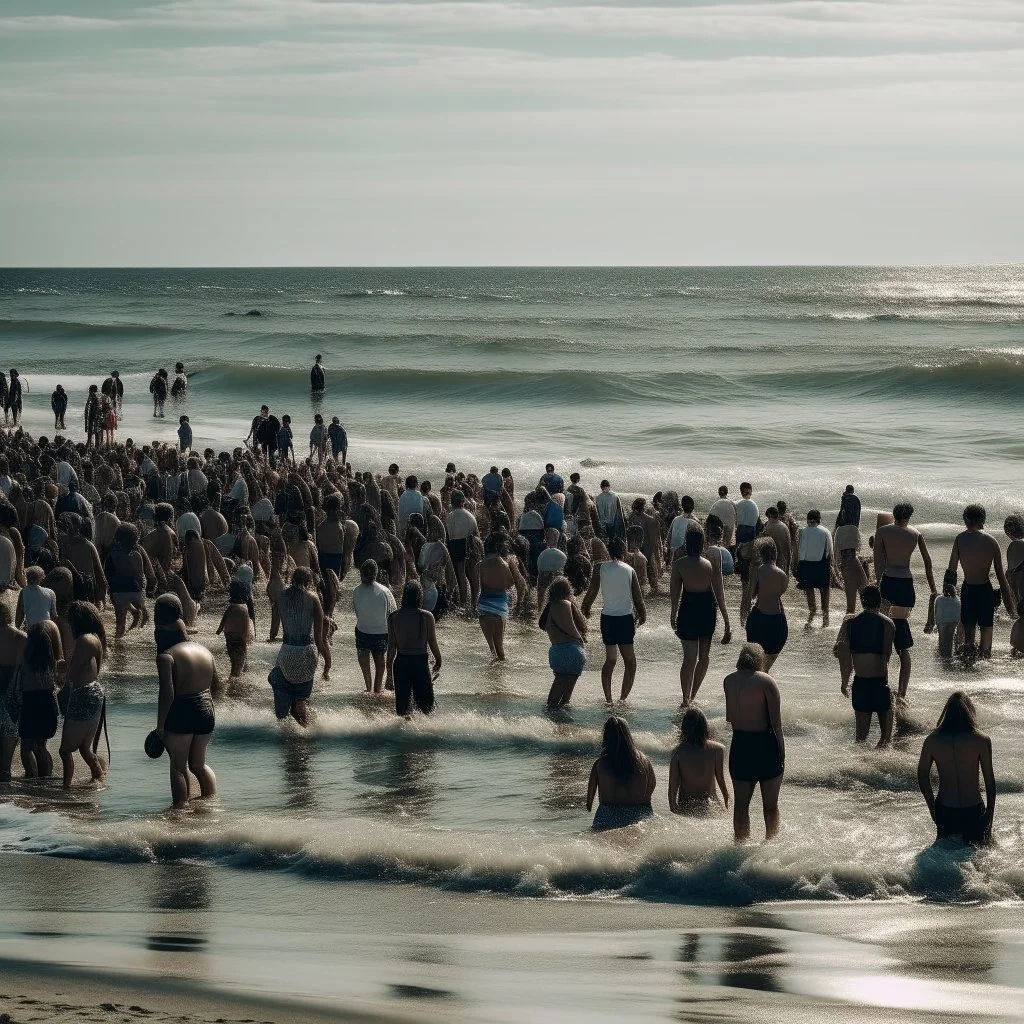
<point>432,132</point>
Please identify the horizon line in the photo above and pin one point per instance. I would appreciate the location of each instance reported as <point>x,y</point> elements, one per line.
<point>509,266</point>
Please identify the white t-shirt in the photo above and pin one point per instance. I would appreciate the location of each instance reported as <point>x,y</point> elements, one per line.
<point>461,524</point>
<point>815,543</point>
<point>187,521</point>
<point>551,560</point>
<point>39,604</point>
<point>616,588</point>
<point>681,525</point>
<point>947,610</point>
<point>372,605</point>
<point>607,503</point>
<point>747,512</point>
<point>725,509</point>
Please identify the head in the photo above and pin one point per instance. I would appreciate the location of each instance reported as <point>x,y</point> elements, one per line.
<point>746,490</point>
<point>694,542</point>
<point>618,751</point>
<point>551,537</point>
<point>958,715</point>
<point>723,491</point>
<point>871,598</point>
<point>412,595</point>
<point>167,611</point>
<point>368,572</point>
<point>38,656</point>
<point>302,579</point>
<point>771,514</point>
<point>411,483</point>
<point>319,359</point>
<point>635,537</point>
<point>694,730</point>
<point>1014,526</point>
<point>974,517</point>
<point>559,590</point>
<point>238,592</point>
<point>767,552</point>
<point>751,658</point>
<point>902,512</point>
<point>687,504</point>
<point>617,548</point>
<point>605,485</point>
<point>393,469</point>
<point>549,468</point>
<point>458,499</point>
<point>34,574</point>
<point>849,488</point>
<point>83,619</point>
<point>639,504</point>
<point>814,517</point>
<point>782,507</point>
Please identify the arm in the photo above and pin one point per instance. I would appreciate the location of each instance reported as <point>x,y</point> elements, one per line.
<point>319,634</point>
<point>924,775</point>
<point>591,595</point>
<point>997,563</point>
<point>392,650</point>
<point>216,686</point>
<point>675,590</point>
<point>718,586</point>
<point>640,608</point>
<point>880,556</point>
<point>592,787</point>
<point>990,781</point>
<point>432,643</point>
<point>842,652</point>
<point>19,611</point>
<point>775,717</point>
<point>165,675</point>
<point>520,584</point>
<point>720,774</point>
<point>580,622</point>
<point>223,619</point>
<point>927,559</point>
<point>673,785</point>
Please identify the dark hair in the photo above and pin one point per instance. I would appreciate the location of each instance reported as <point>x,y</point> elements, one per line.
<point>687,503</point>
<point>694,541</point>
<point>412,595</point>
<point>38,656</point>
<point>766,550</point>
<point>974,514</point>
<point>301,578</point>
<point>903,511</point>
<point>167,610</point>
<point>83,618</point>
<point>814,516</point>
<point>1014,526</point>
<point>751,658</point>
<point>958,715</point>
<point>723,491</point>
<point>871,596</point>
<point>771,512</point>
<point>616,547</point>
<point>605,483</point>
<point>368,571</point>
<point>745,487</point>
<point>618,751</point>
<point>238,592</point>
<point>694,730</point>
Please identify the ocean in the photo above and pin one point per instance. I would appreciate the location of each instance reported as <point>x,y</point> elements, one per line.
<point>445,866</point>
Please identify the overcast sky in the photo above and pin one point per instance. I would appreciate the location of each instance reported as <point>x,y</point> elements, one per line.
<point>212,132</point>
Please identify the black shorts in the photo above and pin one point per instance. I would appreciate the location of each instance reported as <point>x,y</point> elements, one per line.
<point>967,822</point>
<point>617,630</point>
<point>903,640</point>
<point>871,695</point>
<point>458,549</point>
<point>39,716</point>
<point>754,757</point>
<point>898,591</point>
<point>330,560</point>
<point>770,631</point>
<point>376,643</point>
<point>413,683</point>
<point>977,605</point>
<point>813,575</point>
<point>191,714</point>
<point>697,616</point>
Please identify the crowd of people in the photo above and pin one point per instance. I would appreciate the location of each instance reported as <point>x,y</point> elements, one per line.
<point>91,533</point>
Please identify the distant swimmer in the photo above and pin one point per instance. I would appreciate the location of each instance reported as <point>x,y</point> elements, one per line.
<point>697,767</point>
<point>59,405</point>
<point>697,594</point>
<point>185,712</point>
<point>757,754</point>
<point>317,377</point>
<point>894,547</point>
<point>411,637</point>
<point>622,610</point>
<point>814,565</point>
<point>158,389</point>
<point>766,623</point>
<point>622,779</point>
<point>864,647</point>
<point>566,628</point>
<point>978,553</point>
<point>959,751</point>
<point>180,386</point>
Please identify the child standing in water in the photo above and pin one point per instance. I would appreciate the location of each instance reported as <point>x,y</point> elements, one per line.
<point>237,627</point>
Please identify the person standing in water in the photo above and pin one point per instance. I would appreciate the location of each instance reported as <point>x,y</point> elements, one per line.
<point>864,647</point>
<point>697,765</point>
<point>766,623</point>
<point>895,545</point>
<point>623,610</point>
<point>978,553</point>
<point>411,634</point>
<point>373,604</point>
<point>566,628</point>
<point>82,695</point>
<point>757,755</point>
<point>59,405</point>
<point>180,386</point>
<point>959,751</point>
<point>622,778</point>
<point>814,565</point>
<point>14,398</point>
<point>498,575</point>
<point>158,389</point>
<point>317,378</point>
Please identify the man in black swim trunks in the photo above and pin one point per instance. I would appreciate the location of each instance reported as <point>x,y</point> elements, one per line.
<point>979,553</point>
<point>864,647</point>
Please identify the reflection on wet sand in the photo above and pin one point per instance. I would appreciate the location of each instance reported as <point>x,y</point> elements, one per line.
<point>401,781</point>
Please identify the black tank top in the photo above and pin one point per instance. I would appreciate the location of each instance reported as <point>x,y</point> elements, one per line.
<point>867,633</point>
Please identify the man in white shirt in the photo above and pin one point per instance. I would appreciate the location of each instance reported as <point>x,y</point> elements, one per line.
<point>461,526</point>
<point>609,512</point>
<point>814,565</point>
<point>36,603</point>
<point>681,525</point>
<point>373,603</point>
<point>747,515</point>
<point>409,503</point>
<point>623,609</point>
<point>725,509</point>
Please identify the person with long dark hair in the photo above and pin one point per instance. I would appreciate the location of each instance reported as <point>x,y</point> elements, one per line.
<point>697,766</point>
<point>623,779</point>
<point>959,750</point>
